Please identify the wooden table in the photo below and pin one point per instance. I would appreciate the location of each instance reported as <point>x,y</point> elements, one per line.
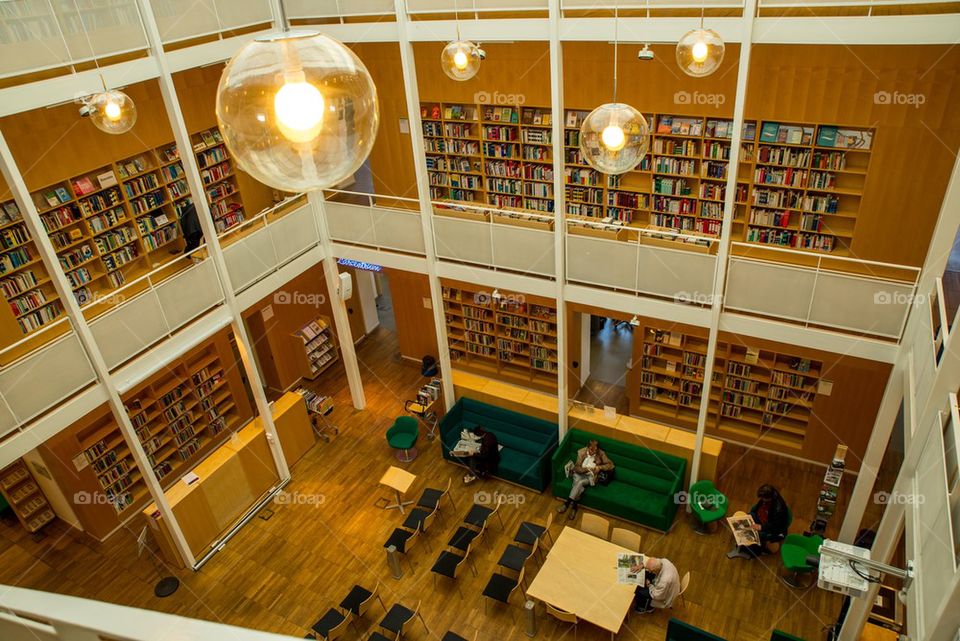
<point>580,576</point>
<point>399,481</point>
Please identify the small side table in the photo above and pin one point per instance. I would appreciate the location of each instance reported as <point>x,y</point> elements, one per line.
<point>399,481</point>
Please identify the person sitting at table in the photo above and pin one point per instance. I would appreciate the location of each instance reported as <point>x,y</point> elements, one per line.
<point>482,463</point>
<point>771,518</point>
<point>662,585</point>
<point>585,472</point>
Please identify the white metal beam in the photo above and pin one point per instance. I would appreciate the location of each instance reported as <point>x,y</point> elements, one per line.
<point>850,31</point>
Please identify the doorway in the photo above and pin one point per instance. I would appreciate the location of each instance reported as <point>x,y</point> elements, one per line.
<point>606,351</point>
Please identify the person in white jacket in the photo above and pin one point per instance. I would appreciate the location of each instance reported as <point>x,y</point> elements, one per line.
<point>661,589</point>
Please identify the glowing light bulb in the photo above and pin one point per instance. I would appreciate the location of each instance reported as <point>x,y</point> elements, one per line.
<point>460,59</point>
<point>699,51</point>
<point>112,110</point>
<point>613,137</point>
<point>298,106</point>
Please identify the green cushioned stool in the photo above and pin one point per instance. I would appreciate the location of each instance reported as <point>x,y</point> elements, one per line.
<point>709,505</point>
<point>402,436</point>
<point>794,552</point>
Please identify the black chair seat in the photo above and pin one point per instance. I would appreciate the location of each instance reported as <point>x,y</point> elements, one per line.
<point>399,539</point>
<point>376,636</point>
<point>529,533</point>
<point>478,515</point>
<point>353,600</point>
<point>414,520</point>
<point>462,538</point>
<point>499,587</point>
<point>452,636</point>
<point>429,499</point>
<point>514,557</point>
<point>395,619</point>
<point>330,620</point>
<point>447,564</point>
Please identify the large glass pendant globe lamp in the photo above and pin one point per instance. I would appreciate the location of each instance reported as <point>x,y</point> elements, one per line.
<point>460,60</point>
<point>700,52</point>
<point>298,110</point>
<point>614,138</point>
<point>112,112</point>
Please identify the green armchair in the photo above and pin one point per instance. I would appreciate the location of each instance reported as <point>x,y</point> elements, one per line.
<point>709,505</point>
<point>794,552</point>
<point>402,436</point>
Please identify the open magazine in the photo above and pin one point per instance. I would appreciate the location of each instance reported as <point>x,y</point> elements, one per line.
<point>630,569</point>
<point>743,532</point>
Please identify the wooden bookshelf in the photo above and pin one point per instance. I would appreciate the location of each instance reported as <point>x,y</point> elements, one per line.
<point>514,337</point>
<point>24,281</point>
<point>108,455</point>
<point>756,395</point>
<point>219,178</point>
<point>23,493</point>
<point>798,185</point>
<point>317,345</point>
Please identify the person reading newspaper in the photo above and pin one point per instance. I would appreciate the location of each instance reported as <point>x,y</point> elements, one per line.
<point>663,585</point>
<point>591,464</point>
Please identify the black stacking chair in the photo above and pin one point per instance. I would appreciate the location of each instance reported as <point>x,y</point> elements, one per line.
<point>420,519</point>
<point>500,588</point>
<point>515,557</point>
<point>431,498</point>
<point>464,537</point>
<point>449,635</point>
<point>529,533</point>
<point>358,601</point>
<point>331,625</point>
<point>403,540</point>
<point>478,514</point>
<point>397,618</point>
<point>448,564</point>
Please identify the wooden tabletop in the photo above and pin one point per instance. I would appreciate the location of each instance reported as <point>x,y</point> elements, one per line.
<point>398,479</point>
<point>580,576</point>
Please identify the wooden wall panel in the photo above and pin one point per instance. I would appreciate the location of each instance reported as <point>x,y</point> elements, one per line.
<point>391,160</point>
<point>514,68</point>
<point>914,148</point>
<point>648,85</point>
<point>416,331</point>
<point>271,336</point>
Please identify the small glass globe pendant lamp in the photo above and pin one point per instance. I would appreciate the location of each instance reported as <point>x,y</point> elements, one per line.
<point>298,110</point>
<point>614,137</point>
<point>460,59</point>
<point>700,51</point>
<point>111,111</point>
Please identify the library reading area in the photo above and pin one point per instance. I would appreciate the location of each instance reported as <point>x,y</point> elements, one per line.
<point>464,320</point>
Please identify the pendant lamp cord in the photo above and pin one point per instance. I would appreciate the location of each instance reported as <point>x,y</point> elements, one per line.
<point>86,35</point>
<point>616,46</point>
<point>703,9</point>
<point>456,18</point>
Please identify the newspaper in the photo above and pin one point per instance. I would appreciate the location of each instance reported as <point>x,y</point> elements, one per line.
<point>466,447</point>
<point>630,569</point>
<point>742,528</point>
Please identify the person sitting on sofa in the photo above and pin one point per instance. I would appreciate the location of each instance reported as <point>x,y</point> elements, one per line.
<point>662,589</point>
<point>771,519</point>
<point>483,463</point>
<point>591,461</point>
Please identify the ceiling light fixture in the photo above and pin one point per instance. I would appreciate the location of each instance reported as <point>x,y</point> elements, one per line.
<point>460,59</point>
<point>111,111</point>
<point>614,137</point>
<point>700,51</point>
<point>298,110</point>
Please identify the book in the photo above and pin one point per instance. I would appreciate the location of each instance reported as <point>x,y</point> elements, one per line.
<point>571,119</point>
<point>749,130</point>
<point>208,139</point>
<point>82,186</point>
<point>742,528</point>
<point>769,132</point>
<point>630,570</point>
<point>50,197</point>
<point>106,179</point>
<point>827,136</point>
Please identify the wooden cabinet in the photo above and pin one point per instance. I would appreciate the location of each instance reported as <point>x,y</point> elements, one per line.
<point>25,497</point>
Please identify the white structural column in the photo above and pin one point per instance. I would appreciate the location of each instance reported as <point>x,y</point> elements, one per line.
<point>48,255</point>
<point>341,321</point>
<point>559,210</point>
<point>720,274</point>
<point>412,91</point>
<point>873,457</point>
<point>192,174</point>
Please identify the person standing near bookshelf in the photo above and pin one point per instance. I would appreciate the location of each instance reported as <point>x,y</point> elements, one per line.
<point>190,226</point>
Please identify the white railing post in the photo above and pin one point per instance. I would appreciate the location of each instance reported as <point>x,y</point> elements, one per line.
<point>31,218</point>
<point>412,94</point>
<point>559,208</point>
<point>729,209</point>
<point>192,174</point>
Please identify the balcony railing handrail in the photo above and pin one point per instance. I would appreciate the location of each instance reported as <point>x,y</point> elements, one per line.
<point>261,215</point>
<point>510,213</point>
<point>32,336</point>
<point>643,231</point>
<point>370,200</point>
<point>820,259</point>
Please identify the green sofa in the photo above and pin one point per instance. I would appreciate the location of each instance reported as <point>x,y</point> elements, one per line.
<point>677,630</point>
<point>527,441</point>
<point>780,635</point>
<point>644,487</point>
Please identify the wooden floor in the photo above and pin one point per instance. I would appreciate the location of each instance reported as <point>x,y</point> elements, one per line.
<point>280,574</point>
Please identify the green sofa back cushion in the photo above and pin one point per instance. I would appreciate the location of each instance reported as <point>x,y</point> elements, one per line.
<point>780,635</point>
<point>679,631</point>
